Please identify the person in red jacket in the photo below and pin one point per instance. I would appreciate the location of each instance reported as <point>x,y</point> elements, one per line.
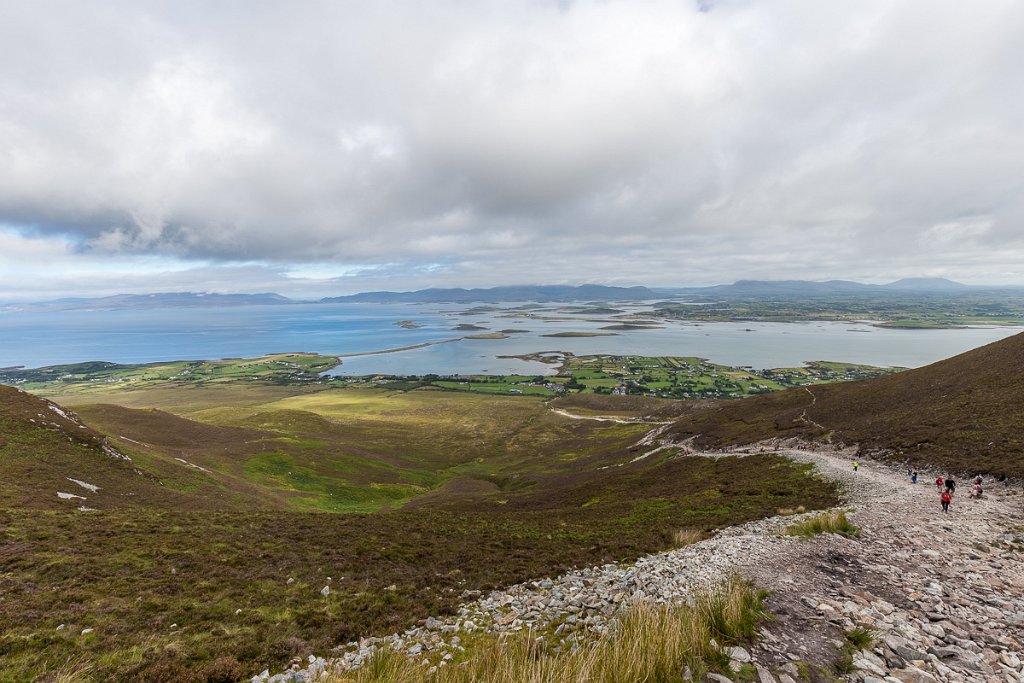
<point>939,482</point>
<point>947,498</point>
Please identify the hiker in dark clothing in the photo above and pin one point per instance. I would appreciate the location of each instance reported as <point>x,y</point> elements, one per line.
<point>951,486</point>
<point>913,477</point>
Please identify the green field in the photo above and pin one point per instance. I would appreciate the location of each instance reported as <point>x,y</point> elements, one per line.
<point>665,377</point>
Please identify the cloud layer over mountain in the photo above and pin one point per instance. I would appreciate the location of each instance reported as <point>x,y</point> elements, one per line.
<point>516,140</point>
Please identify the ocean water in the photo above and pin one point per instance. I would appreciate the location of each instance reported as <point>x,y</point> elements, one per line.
<point>35,339</point>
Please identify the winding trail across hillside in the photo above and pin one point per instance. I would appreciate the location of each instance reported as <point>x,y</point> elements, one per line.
<point>943,593</point>
<point>606,418</point>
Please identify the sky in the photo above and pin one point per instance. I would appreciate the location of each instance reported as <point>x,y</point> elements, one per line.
<point>327,147</point>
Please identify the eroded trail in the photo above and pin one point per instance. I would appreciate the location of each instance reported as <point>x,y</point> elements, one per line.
<point>605,418</point>
<point>943,593</point>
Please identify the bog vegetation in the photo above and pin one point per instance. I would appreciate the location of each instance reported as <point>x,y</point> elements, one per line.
<point>203,557</point>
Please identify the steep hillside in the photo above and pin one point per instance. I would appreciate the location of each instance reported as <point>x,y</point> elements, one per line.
<point>49,459</point>
<point>964,413</point>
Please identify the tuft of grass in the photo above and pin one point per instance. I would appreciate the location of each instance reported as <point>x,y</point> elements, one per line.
<point>73,672</point>
<point>825,523</point>
<point>857,639</point>
<point>649,643</point>
<point>789,512</point>
<point>685,537</point>
<point>860,638</point>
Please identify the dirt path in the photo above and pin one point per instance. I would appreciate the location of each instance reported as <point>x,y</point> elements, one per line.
<point>606,418</point>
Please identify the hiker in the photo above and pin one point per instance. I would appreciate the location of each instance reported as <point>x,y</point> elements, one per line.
<point>976,490</point>
<point>951,486</point>
<point>939,483</point>
<point>856,464</point>
<point>913,477</point>
<point>947,498</point>
<point>977,479</point>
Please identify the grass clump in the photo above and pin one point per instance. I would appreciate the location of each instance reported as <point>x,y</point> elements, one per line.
<point>825,523</point>
<point>649,643</point>
<point>685,537</point>
<point>860,638</point>
<point>857,639</point>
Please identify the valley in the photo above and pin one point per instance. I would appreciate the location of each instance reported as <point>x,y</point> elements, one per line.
<point>230,506</point>
<point>201,521</point>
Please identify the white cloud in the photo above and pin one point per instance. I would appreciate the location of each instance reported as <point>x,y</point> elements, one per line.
<point>639,140</point>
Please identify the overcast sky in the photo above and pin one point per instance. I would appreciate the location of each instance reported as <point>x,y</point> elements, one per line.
<point>330,147</point>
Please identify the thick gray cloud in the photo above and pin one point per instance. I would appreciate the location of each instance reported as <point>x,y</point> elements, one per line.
<point>511,141</point>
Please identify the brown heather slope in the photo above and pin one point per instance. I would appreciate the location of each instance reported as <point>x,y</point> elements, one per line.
<point>44,446</point>
<point>963,413</point>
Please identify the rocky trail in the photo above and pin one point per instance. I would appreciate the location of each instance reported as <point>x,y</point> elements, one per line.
<point>943,594</point>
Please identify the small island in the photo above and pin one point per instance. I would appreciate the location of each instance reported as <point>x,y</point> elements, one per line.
<point>408,324</point>
<point>632,326</point>
<point>487,335</point>
<point>580,334</point>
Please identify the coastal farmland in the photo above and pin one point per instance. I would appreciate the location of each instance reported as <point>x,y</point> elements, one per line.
<point>661,376</point>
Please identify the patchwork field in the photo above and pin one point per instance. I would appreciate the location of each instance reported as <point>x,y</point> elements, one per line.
<point>662,376</point>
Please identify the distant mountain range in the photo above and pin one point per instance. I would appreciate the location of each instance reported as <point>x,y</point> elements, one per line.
<point>158,300</point>
<point>503,294</point>
<point>741,289</point>
<point>760,289</point>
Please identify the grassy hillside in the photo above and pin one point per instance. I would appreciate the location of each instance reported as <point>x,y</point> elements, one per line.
<point>964,413</point>
<point>182,567</point>
<point>50,460</point>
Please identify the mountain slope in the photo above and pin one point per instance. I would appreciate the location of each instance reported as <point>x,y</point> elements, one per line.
<point>964,413</point>
<point>49,459</point>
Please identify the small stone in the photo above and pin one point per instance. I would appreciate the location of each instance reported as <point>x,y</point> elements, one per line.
<point>738,654</point>
<point>325,591</point>
<point>911,675</point>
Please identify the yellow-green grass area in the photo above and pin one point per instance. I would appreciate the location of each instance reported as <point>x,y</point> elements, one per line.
<point>497,387</point>
<point>345,449</point>
<point>650,643</point>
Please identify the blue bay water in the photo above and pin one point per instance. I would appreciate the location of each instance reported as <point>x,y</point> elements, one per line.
<point>35,339</point>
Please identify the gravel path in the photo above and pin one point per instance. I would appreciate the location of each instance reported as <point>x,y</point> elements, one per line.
<point>943,592</point>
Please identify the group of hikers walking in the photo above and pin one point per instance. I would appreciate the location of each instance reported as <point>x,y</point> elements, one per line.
<point>946,487</point>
